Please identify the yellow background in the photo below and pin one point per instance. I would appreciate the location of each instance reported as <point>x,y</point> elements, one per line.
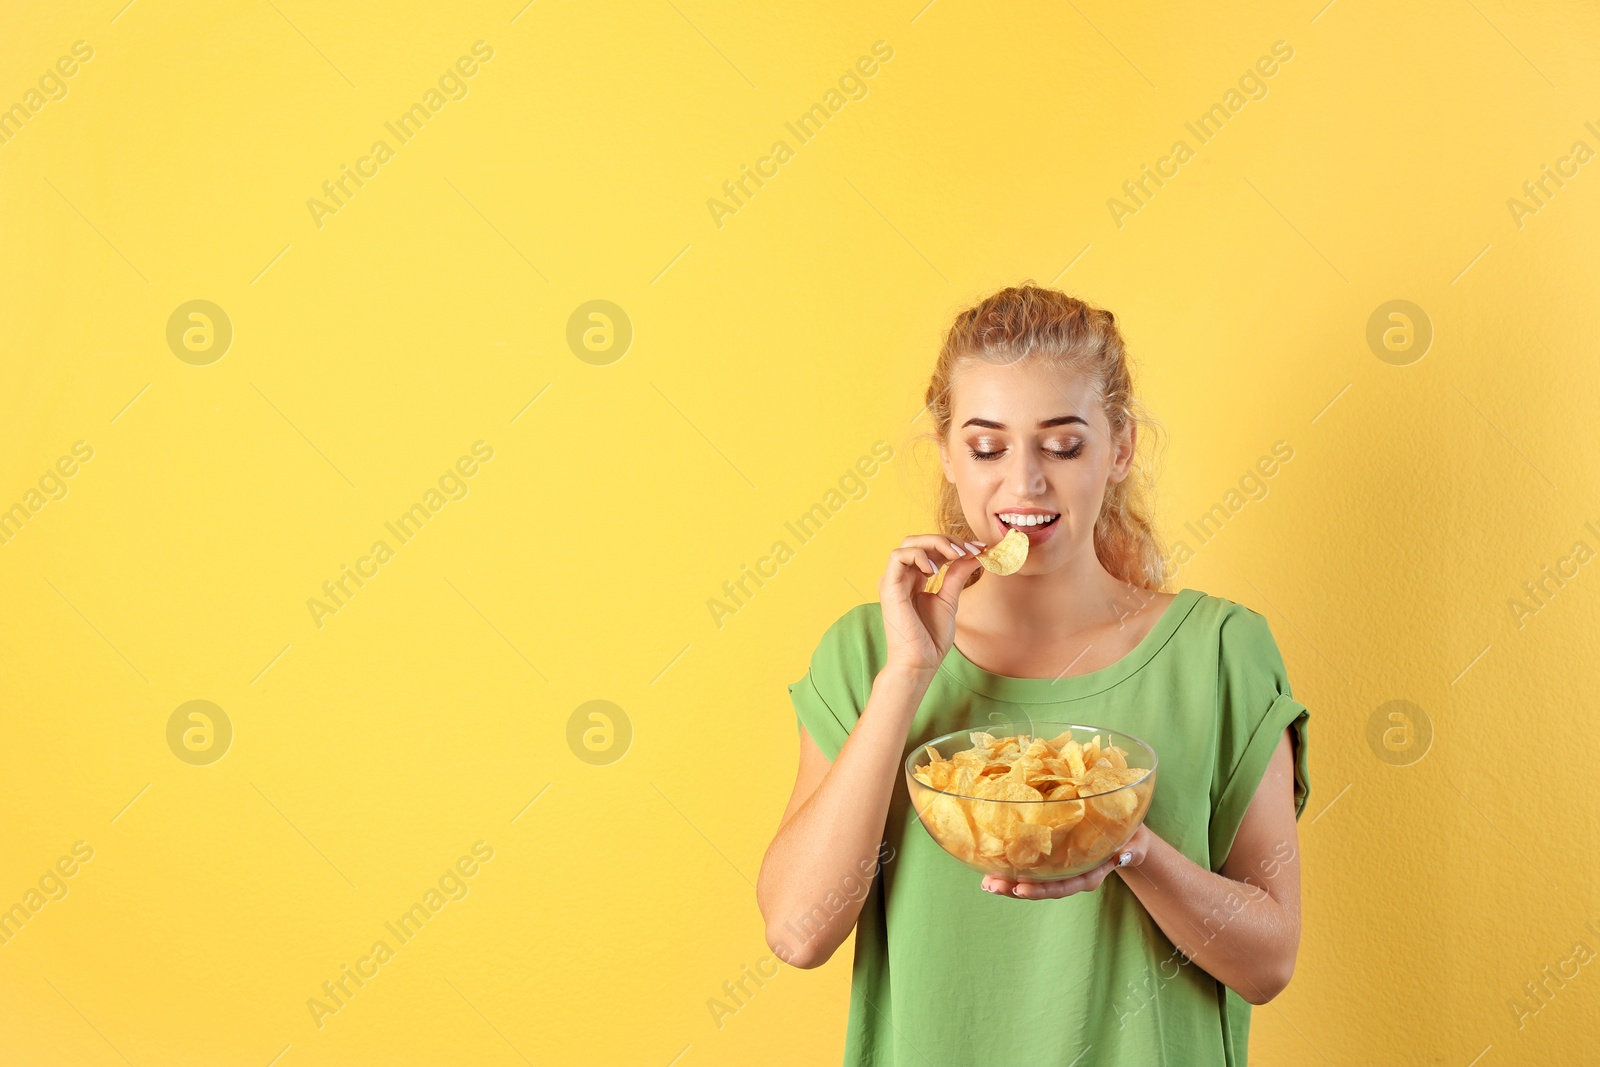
<point>768,355</point>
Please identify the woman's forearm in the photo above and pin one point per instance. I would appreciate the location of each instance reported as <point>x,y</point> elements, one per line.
<point>1236,931</point>
<point>827,851</point>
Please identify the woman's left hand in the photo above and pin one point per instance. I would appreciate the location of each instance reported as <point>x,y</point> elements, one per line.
<point>1130,855</point>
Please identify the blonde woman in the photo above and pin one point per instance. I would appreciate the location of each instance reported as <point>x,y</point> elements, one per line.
<point>1157,955</point>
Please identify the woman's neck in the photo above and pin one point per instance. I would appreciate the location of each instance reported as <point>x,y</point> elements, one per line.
<point>1077,596</point>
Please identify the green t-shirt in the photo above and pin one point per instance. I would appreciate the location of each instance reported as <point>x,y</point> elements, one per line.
<point>947,974</point>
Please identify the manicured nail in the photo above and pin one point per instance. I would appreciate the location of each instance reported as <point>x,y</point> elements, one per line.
<point>975,547</point>
<point>1124,859</point>
<point>957,549</point>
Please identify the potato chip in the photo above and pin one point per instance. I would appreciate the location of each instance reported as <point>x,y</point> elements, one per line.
<point>1071,758</point>
<point>936,775</point>
<point>1008,787</point>
<point>1007,555</point>
<point>1114,807</point>
<point>1090,840</point>
<point>1032,840</point>
<point>953,825</point>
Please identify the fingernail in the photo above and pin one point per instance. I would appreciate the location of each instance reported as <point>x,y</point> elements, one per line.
<point>957,549</point>
<point>975,547</point>
<point>1124,859</point>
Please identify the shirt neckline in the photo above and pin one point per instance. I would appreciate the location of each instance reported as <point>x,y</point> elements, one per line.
<point>1047,690</point>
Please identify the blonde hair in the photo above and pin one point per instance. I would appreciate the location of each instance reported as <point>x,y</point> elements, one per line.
<point>1032,322</point>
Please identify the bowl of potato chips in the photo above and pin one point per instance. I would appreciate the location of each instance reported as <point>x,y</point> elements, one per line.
<point>1031,800</point>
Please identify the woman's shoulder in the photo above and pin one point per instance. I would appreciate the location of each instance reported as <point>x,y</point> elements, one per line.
<point>856,636</point>
<point>1246,652</point>
<point>830,696</point>
<point>1220,615</point>
<point>1235,637</point>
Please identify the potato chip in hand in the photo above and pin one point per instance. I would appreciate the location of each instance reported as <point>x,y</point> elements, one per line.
<point>1005,556</point>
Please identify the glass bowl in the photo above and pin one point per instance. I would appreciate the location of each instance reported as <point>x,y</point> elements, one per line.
<point>992,824</point>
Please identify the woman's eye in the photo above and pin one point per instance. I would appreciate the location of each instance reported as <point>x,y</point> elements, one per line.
<point>1070,453</point>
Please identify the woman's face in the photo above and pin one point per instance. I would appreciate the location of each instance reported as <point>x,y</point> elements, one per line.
<point>1029,443</point>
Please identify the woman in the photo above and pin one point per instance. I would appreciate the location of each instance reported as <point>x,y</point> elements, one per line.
<point>1032,407</point>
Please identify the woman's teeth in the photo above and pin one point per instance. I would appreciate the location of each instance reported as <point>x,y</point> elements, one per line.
<point>1028,520</point>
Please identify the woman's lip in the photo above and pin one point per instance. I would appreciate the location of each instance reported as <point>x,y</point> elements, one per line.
<point>1036,534</point>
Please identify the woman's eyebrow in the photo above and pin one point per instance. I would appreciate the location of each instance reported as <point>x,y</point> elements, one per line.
<point>1059,420</point>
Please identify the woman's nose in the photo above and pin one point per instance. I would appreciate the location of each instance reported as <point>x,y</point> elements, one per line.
<point>1027,476</point>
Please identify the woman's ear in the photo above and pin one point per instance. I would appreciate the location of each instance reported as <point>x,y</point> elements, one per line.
<point>1122,458</point>
<point>944,463</point>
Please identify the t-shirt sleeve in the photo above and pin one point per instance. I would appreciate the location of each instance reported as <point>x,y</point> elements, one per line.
<point>829,698</point>
<point>1255,706</point>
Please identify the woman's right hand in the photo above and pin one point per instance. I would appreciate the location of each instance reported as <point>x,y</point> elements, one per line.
<point>920,627</point>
